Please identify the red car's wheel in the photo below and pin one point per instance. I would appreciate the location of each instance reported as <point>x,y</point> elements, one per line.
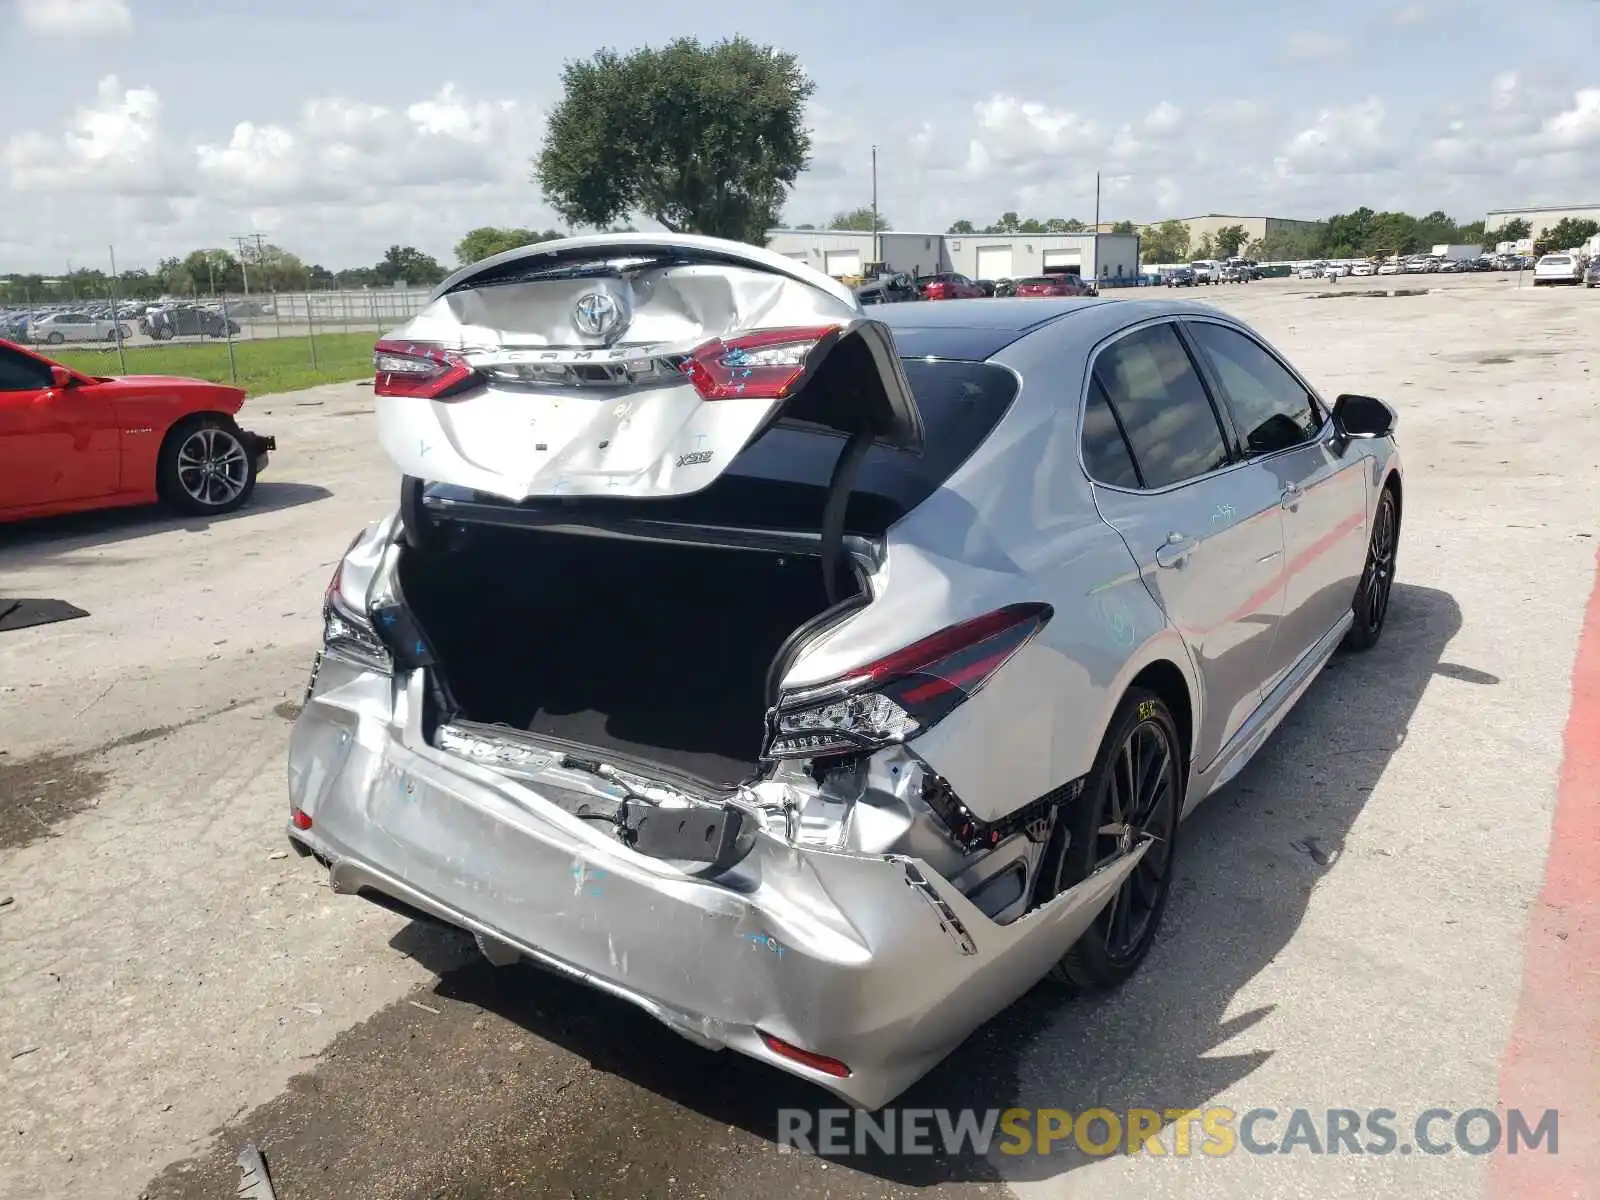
<point>205,467</point>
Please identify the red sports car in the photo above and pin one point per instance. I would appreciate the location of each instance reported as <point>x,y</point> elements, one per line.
<point>1054,285</point>
<point>949,286</point>
<point>70,441</point>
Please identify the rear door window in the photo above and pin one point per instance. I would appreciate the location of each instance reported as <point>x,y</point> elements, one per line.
<point>1154,389</point>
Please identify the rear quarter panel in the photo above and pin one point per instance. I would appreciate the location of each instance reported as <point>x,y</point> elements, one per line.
<point>1017,523</point>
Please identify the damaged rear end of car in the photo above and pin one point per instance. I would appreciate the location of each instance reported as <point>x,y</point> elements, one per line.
<point>556,704</point>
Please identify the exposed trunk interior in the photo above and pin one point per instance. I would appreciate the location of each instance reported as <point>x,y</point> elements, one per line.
<point>657,651</point>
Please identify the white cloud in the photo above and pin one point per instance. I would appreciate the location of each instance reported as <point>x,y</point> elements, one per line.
<point>1410,14</point>
<point>1577,127</point>
<point>1312,45</point>
<point>1341,141</point>
<point>75,19</point>
<point>112,145</point>
<point>341,178</point>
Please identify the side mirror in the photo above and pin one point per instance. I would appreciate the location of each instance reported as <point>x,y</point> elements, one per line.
<point>60,377</point>
<point>1363,417</point>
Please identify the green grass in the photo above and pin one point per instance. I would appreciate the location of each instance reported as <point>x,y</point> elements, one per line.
<point>259,365</point>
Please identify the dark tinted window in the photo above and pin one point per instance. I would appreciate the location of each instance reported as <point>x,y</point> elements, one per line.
<point>20,373</point>
<point>780,480</point>
<point>1105,452</point>
<point>1154,388</point>
<point>960,403</point>
<point>1270,408</point>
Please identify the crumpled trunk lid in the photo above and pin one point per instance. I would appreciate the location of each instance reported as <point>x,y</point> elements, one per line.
<point>628,365</point>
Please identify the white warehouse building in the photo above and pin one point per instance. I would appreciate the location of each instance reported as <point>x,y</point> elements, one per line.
<point>992,256</point>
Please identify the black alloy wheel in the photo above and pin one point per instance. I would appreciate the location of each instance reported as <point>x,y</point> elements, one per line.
<point>1132,799</point>
<point>1371,603</point>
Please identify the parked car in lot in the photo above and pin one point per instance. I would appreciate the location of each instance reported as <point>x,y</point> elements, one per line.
<point>823,719</point>
<point>1591,276</point>
<point>1181,277</point>
<point>948,286</point>
<point>1005,287</point>
<point>889,289</point>
<point>1054,285</point>
<point>55,328</point>
<point>1205,270</point>
<point>70,441</point>
<point>187,320</point>
<point>1557,268</point>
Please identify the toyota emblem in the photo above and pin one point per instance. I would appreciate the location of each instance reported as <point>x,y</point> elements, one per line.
<point>597,314</point>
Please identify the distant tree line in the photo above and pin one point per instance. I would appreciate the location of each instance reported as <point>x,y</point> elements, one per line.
<point>213,272</point>
<point>1357,234</point>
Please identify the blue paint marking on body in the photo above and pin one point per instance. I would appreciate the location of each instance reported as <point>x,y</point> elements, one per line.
<point>766,942</point>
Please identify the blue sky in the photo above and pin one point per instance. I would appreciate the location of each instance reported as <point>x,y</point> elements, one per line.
<point>339,127</point>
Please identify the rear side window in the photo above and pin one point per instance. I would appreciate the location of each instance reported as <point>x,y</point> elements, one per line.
<point>1105,452</point>
<point>1153,387</point>
<point>780,480</point>
<point>960,402</point>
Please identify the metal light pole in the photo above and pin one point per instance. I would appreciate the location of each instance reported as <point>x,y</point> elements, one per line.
<point>116,314</point>
<point>875,255</point>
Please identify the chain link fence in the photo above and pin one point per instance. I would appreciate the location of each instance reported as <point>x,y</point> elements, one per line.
<point>259,340</point>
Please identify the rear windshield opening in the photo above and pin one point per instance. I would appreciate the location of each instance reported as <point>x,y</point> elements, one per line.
<point>780,480</point>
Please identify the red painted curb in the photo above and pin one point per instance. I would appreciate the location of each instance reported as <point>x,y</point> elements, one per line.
<point>1552,1059</point>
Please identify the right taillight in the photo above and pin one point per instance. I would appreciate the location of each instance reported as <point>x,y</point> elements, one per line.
<point>898,696</point>
<point>423,370</point>
<point>769,364</point>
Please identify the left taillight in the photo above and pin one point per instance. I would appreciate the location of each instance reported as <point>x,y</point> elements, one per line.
<point>347,629</point>
<point>770,364</point>
<point>423,370</point>
<point>902,694</point>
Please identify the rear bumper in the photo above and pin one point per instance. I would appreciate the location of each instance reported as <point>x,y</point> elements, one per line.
<point>259,447</point>
<point>873,961</point>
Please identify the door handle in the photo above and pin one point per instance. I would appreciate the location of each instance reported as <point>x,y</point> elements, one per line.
<point>1176,550</point>
<point>1292,494</point>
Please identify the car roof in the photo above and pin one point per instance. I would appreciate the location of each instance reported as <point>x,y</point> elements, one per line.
<point>981,329</point>
<point>1012,316</point>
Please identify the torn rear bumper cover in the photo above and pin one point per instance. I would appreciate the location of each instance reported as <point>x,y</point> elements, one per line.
<point>258,446</point>
<point>874,961</point>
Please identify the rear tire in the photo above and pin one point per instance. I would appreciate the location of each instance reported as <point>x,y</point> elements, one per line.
<point>1141,758</point>
<point>55,338</point>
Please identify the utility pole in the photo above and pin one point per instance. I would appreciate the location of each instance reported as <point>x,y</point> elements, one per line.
<point>876,257</point>
<point>240,239</point>
<point>1097,201</point>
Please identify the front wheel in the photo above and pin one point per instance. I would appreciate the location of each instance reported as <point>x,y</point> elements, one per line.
<point>1371,603</point>
<point>204,467</point>
<point>1133,797</point>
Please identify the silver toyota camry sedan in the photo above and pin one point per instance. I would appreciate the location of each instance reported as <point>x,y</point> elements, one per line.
<point>818,683</point>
